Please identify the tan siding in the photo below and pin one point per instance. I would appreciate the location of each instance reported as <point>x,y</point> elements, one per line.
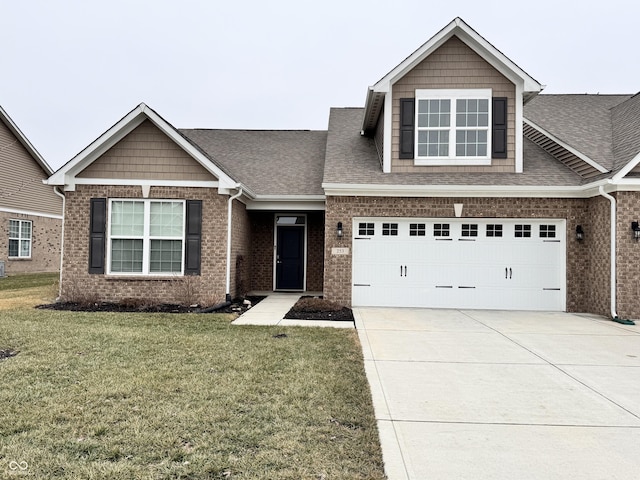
<point>21,178</point>
<point>147,154</point>
<point>453,65</point>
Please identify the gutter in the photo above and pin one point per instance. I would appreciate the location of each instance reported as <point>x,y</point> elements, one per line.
<point>614,315</point>
<point>61,195</point>
<point>229,212</point>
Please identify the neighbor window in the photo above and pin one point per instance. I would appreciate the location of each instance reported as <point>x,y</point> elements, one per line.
<point>20,238</point>
<point>453,125</point>
<point>146,236</point>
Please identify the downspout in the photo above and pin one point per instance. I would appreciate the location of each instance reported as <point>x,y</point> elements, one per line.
<point>61,195</point>
<point>229,213</point>
<point>614,315</point>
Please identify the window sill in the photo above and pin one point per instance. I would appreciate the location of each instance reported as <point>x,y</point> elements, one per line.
<point>19,259</point>
<point>458,162</point>
<point>143,278</point>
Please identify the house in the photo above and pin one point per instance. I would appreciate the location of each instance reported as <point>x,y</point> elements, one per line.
<point>30,211</point>
<point>457,185</point>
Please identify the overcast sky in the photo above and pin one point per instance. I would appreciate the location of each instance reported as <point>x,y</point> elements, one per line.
<point>70,69</point>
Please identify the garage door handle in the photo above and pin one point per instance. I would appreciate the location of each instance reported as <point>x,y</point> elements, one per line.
<point>405,270</point>
<point>510,273</point>
<point>506,272</point>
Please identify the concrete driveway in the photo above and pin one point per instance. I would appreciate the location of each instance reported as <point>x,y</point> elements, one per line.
<point>503,395</point>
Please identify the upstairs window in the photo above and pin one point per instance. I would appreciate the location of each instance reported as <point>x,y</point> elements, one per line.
<point>20,238</point>
<point>453,127</point>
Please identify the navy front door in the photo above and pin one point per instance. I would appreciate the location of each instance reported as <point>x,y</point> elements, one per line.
<point>290,257</point>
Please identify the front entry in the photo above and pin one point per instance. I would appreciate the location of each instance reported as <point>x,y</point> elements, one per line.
<point>290,237</point>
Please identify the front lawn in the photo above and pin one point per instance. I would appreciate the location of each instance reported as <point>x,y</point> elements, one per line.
<point>159,396</point>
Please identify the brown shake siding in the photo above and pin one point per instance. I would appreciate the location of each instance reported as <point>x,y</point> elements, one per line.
<point>147,153</point>
<point>45,244</point>
<point>453,65</point>
<point>207,288</point>
<point>337,273</point>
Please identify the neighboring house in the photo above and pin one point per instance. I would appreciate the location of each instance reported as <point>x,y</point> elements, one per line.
<point>30,211</point>
<point>456,186</point>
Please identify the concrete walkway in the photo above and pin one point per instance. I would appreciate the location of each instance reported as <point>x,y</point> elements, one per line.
<point>503,395</point>
<point>271,311</point>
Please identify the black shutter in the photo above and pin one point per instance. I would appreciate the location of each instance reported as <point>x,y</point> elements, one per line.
<point>193,237</point>
<point>499,128</point>
<point>407,127</point>
<point>97,234</point>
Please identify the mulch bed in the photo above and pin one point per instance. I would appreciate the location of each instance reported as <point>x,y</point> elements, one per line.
<point>343,315</point>
<point>237,306</point>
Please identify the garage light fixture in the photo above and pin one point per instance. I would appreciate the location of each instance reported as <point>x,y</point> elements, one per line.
<point>339,231</point>
<point>636,230</point>
<point>579,233</point>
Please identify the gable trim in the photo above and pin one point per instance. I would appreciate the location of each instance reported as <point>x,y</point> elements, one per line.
<point>627,168</point>
<point>67,174</point>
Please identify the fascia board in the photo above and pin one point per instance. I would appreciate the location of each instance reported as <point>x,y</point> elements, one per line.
<point>149,182</point>
<point>578,154</point>
<point>618,177</point>
<point>466,191</point>
<point>287,202</point>
<point>30,213</point>
<point>11,125</point>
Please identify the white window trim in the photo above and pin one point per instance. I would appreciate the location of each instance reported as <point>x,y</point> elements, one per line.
<point>146,238</point>
<point>453,95</point>
<point>20,238</point>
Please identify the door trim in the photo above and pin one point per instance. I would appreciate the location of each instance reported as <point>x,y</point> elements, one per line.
<point>304,250</point>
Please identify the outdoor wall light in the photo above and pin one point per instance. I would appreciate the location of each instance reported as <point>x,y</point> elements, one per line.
<point>636,230</point>
<point>579,233</point>
<point>339,231</point>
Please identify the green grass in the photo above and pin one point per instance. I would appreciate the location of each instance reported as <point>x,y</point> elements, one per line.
<point>159,396</point>
<point>31,280</point>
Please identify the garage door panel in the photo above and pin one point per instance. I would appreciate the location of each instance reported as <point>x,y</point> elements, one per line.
<point>468,263</point>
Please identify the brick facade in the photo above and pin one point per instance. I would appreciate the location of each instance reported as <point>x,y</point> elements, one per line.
<point>45,244</point>
<point>337,273</point>
<point>208,288</point>
<point>262,250</point>
<point>628,256</point>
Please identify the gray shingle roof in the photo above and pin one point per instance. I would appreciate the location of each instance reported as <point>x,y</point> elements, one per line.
<point>269,162</point>
<point>584,122</point>
<point>352,159</point>
<point>626,130</point>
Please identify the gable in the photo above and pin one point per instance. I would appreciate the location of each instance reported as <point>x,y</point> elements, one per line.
<point>454,65</point>
<point>146,153</point>
<point>21,177</point>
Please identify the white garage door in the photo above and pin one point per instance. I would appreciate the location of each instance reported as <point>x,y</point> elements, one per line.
<point>515,264</point>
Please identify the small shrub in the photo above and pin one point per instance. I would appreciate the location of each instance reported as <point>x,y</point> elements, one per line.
<point>315,304</point>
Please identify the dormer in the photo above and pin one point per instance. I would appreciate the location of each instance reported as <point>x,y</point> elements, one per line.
<point>453,105</point>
